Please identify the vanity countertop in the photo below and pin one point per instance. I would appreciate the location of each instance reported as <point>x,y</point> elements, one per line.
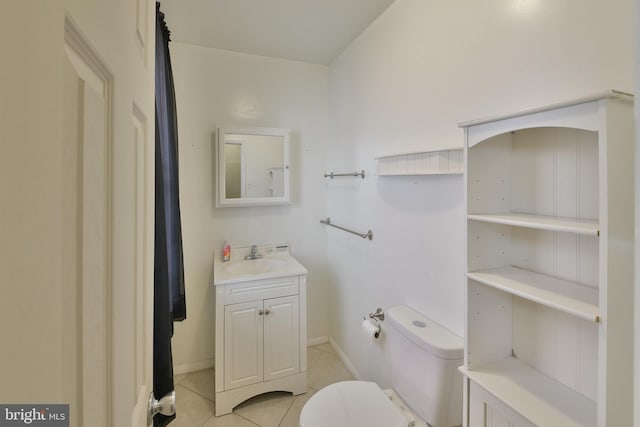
<point>272,265</point>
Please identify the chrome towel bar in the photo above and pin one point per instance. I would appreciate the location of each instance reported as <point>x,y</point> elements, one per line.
<point>356,174</point>
<point>368,234</point>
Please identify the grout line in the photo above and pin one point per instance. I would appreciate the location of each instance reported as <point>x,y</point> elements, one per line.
<point>181,383</point>
<point>207,420</point>
<point>197,393</point>
<point>324,351</point>
<point>287,411</point>
<point>246,419</point>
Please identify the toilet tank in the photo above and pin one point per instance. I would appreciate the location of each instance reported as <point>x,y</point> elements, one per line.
<point>424,366</point>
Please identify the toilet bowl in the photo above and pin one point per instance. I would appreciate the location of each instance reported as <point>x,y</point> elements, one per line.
<point>355,404</point>
<point>427,387</point>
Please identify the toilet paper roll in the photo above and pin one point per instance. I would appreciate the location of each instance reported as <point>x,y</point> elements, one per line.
<point>371,328</point>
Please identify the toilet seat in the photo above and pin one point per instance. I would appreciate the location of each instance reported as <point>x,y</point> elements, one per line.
<point>352,404</point>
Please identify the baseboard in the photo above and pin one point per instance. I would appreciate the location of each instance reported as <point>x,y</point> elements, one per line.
<point>185,368</point>
<point>347,363</point>
<point>317,341</point>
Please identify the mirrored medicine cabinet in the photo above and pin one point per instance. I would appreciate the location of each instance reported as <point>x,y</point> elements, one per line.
<point>252,166</point>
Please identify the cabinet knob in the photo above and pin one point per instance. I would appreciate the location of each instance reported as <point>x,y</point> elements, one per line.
<point>266,312</point>
<point>260,312</point>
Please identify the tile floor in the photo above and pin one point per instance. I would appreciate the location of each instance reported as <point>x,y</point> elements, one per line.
<point>194,395</point>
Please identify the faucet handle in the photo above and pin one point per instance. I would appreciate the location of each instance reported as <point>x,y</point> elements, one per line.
<point>253,254</point>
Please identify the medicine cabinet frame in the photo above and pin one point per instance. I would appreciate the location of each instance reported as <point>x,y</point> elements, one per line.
<point>280,170</point>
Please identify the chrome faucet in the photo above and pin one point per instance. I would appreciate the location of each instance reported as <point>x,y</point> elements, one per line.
<point>254,253</point>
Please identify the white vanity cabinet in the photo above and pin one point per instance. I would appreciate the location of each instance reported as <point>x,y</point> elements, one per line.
<point>260,339</point>
<point>549,295</point>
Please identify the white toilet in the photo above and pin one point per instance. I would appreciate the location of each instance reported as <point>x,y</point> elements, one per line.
<point>427,387</point>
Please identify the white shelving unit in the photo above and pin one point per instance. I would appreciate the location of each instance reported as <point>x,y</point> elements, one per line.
<point>548,402</point>
<point>569,225</point>
<point>568,297</point>
<point>549,324</point>
<point>437,162</point>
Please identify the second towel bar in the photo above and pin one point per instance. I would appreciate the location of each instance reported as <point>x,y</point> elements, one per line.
<point>355,174</point>
<point>368,234</point>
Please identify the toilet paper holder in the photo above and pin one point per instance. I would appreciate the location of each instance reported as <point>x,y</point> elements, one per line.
<point>378,315</point>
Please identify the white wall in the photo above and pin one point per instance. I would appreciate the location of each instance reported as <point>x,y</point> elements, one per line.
<point>216,87</point>
<point>636,372</point>
<point>404,84</point>
<point>31,187</point>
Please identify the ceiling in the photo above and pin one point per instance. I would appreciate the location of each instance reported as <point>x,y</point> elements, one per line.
<point>304,30</point>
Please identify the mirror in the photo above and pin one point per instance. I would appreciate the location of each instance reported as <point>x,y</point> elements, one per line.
<point>253,166</point>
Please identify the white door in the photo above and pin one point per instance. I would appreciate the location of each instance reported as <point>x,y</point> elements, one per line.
<point>76,162</point>
<point>281,337</point>
<point>243,347</point>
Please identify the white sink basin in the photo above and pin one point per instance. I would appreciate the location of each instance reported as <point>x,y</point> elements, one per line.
<point>254,266</point>
<point>271,266</point>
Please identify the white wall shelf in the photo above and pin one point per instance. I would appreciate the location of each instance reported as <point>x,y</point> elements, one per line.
<point>572,298</point>
<point>537,398</point>
<point>440,162</point>
<point>540,222</point>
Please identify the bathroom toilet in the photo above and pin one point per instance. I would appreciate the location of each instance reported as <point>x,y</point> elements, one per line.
<point>427,388</point>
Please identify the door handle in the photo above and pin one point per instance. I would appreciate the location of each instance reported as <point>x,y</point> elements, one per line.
<point>266,312</point>
<point>165,406</point>
<point>260,312</point>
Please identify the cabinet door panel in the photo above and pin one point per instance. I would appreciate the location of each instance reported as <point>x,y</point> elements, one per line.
<point>487,411</point>
<point>281,337</point>
<point>243,345</point>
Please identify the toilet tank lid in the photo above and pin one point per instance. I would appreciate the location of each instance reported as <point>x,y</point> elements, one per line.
<point>426,333</point>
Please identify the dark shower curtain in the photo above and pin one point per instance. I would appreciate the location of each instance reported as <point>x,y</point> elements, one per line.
<point>169,299</point>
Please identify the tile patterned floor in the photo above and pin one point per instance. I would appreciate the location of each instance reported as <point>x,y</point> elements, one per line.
<point>194,395</point>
